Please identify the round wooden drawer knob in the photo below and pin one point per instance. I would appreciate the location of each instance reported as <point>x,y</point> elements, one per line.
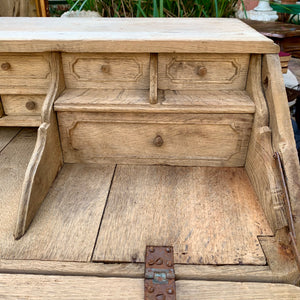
<point>105,68</point>
<point>30,105</point>
<point>5,66</point>
<point>158,141</point>
<point>202,71</point>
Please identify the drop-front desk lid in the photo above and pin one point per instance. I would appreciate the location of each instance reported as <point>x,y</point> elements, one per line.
<point>192,35</point>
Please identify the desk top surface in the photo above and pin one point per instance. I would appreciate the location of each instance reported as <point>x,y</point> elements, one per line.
<point>193,35</point>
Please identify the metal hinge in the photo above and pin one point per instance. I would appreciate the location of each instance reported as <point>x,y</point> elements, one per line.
<point>288,210</point>
<point>159,273</point>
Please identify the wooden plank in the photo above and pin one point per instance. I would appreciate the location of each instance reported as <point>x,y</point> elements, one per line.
<point>126,35</point>
<point>21,121</point>
<point>282,132</point>
<point>70,287</point>
<point>76,202</point>
<point>95,100</point>
<point>153,78</point>
<point>23,105</point>
<point>260,165</point>
<point>47,160</point>
<point>13,163</point>
<point>202,71</point>
<point>151,205</point>
<point>6,136</point>
<point>107,70</point>
<point>121,138</point>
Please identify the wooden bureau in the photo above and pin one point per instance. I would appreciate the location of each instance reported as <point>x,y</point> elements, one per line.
<point>117,134</point>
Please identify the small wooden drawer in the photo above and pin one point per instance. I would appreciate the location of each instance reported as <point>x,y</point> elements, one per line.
<point>17,105</point>
<point>184,139</point>
<point>106,71</point>
<point>24,73</point>
<point>202,71</point>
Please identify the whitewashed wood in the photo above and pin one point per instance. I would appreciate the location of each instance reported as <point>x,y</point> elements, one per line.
<point>93,100</point>
<point>121,138</point>
<point>17,286</point>
<point>176,206</point>
<point>66,226</point>
<point>27,71</point>
<point>15,105</point>
<point>153,78</point>
<point>23,121</point>
<point>46,160</point>
<point>110,71</point>
<point>224,71</point>
<point>188,35</point>
<point>6,136</point>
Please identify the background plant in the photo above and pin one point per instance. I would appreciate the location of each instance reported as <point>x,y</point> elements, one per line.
<point>158,8</point>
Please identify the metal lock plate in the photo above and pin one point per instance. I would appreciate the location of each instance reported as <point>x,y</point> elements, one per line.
<point>159,273</point>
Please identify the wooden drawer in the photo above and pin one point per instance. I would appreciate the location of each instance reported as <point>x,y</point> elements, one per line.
<point>206,139</point>
<point>110,71</point>
<point>202,71</point>
<point>24,73</point>
<point>22,104</point>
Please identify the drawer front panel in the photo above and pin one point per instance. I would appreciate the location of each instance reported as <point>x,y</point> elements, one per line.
<point>22,104</point>
<point>202,71</point>
<point>106,71</point>
<point>206,140</point>
<point>27,71</point>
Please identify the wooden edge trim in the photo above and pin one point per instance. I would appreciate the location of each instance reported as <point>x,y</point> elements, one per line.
<point>153,78</point>
<point>48,131</point>
<point>1,108</point>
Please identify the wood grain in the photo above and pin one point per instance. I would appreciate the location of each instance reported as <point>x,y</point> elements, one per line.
<point>209,216</point>
<point>70,287</point>
<point>20,121</point>
<point>6,136</point>
<point>66,225</point>
<point>222,71</point>
<point>16,104</point>
<point>153,78</point>
<point>47,160</point>
<point>181,35</point>
<point>106,71</point>
<point>91,138</point>
<point>93,100</point>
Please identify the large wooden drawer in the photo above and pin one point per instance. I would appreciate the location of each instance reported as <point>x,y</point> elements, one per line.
<point>202,71</point>
<point>185,139</point>
<point>24,73</point>
<point>110,71</point>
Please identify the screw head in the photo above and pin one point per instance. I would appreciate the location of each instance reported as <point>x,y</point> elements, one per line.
<point>169,264</point>
<point>159,261</point>
<point>151,249</point>
<point>30,105</point>
<point>5,66</point>
<point>168,250</point>
<point>151,262</point>
<point>150,289</point>
<point>170,291</point>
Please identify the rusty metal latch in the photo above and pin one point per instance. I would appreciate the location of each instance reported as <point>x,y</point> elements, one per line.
<point>159,273</point>
<point>288,210</point>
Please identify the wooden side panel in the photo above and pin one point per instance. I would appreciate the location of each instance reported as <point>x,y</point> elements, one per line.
<point>202,71</point>
<point>17,286</point>
<point>207,139</point>
<point>22,105</point>
<point>209,216</point>
<point>260,165</point>
<point>25,73</point>
<point>282,133</point>
<point>66,225</point>
<point>110,71</point>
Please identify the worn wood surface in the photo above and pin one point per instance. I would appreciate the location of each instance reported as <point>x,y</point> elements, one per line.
<point>47,159</point>
<point>260,164</point>
<point>129,138</point>
<point>153,78</point>
<point>188,35</point>
<point>66,225</point>
<point>16,8</point>
<point>13,163</point>
<point>282,132</point>
<point>23,121</point>
<point>70,287</point>
<point>94,100</point>
<point>22,105</point>
<point>110,71</point>
<point>209,216</point>
<point>27,72</point>
<point>7,135</point>
<point>202,71</point>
